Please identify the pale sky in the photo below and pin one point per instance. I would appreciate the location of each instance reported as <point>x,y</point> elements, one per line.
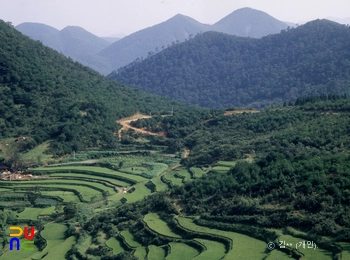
<point>108,17</point>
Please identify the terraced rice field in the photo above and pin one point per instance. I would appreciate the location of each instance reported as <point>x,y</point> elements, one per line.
<point>181,251</point>
<point>91,169</point>
<point>156,253</point>
<point>160,185</point>
<point>129,239</point>
<point>92,177</point>
<point>115,244</point>
<point>196,172</point>
<point>155,223</point>
<point>140,253</point>
<point>243,247</point>
<point>214,250</point>
<point>33,213</point>
<point>54,234</point>
<point>67,196</point>
<point>185,174</point>
<point>170,176</point>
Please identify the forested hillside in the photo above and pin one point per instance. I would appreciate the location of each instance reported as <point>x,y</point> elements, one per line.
<point>46,96</point>
<point>290,176</point>
<point>219,70</point>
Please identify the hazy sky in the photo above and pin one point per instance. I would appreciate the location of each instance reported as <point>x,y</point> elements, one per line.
<point>107,17</point>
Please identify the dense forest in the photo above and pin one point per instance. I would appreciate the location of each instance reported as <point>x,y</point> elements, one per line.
<point>292,171</point>
<point>46,96</point>
<point>219,70</point>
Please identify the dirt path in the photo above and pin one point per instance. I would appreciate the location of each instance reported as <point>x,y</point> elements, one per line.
<point>125,122</point>
<point>187,152</point>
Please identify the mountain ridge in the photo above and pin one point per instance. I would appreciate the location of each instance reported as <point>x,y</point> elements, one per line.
<point>149,40</point>
<point>220,70</point>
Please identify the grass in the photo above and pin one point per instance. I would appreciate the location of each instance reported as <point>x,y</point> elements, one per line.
<point>129,239</point>
<point>214,250</point>
<point>155,253</point>
<point>185,174</point>
<point>91,169</point>
<point>181,251</point>
<point>226,163</point>
<point>20,254</point>
<point>30,213</point>
<point>223,169</point>
<point>160,186</point>
<point>59,252</point>
<point>244,247</point>
<point>309,254</point>
<point>140,253</point>
<point>37,154</point>
<point>54,234</point>
<point>196,172</point>
<point>92,185</point>
<point>159,226</point>
<point>276,254</point>
<point>175,181</point>
<point>140,192</point>
<point>346,249</point>
<point>116,245</point>
<point>67,196</point>
<point>86,192</point>
<point>92,177</point>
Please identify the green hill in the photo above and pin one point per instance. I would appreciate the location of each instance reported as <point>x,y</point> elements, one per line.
<point>219,70</point>
<point>47,96</point>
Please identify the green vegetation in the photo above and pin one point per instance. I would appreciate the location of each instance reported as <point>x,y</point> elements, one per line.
<point>213,250</point>
<point>181,251</point>
<point>129,239</point>
<point>154,222</point>
<point>155,253</point>
<point>115,244</point>
<point>221,70</point>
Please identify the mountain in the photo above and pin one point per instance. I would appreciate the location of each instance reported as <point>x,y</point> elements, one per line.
<point>152,39</point>
<point>220,70</point>
<point>72,41</point>
<point>249,22</point>
<point>107,54</point>
<point>45,96</point>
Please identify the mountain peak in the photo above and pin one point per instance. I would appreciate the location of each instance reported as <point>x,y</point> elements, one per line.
<point>249,22</point>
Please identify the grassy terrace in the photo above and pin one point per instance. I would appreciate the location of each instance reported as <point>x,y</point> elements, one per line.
<point>92,185</point>
<point>244,247</point>
<point>214,250</point>
<point>86,192</point>
<point>181,251</point>
<point>90,170</point>
<point>159,226</point>
<point>129,239</point>
<point>92,177</point>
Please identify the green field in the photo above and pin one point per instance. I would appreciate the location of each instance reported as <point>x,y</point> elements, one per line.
<point>158,225</point>
<point>129,239</point>
<point>160,185</point>
<point>185,174</point>
<point>181,251</point>
<point>59,252</point>
<point>67,196</point>
<point>214,250</point>
<point>92,177</point>
<point>175,181</point>
<point>244,247</point>
<point>196,172</point>
<point>155,253</point>
<point>54,234</point>
<point>220,169</point>
<point>91,169</point>
<point>226,163</point>
<point>140,253</point>
<point>31,213</point>
<point>115,244</point>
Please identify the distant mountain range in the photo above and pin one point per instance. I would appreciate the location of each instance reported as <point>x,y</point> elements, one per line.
<point>105,57</point>
<point>221,70</point>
